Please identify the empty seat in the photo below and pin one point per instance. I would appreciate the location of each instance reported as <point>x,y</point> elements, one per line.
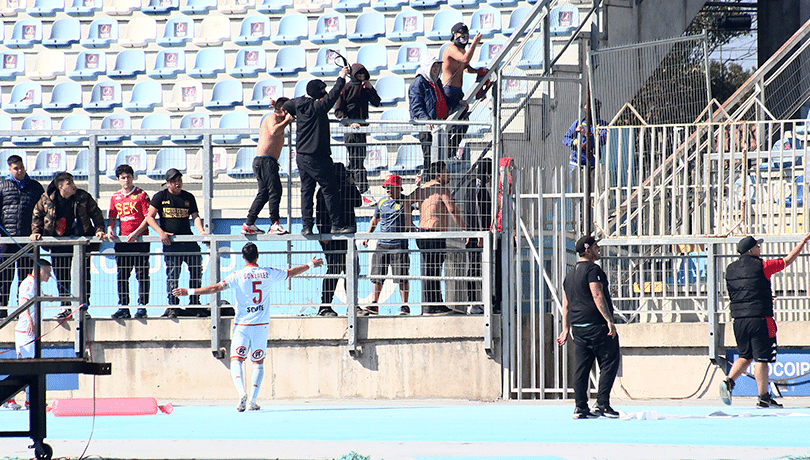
<point>264,92</point>
<point>208,63</point>
<point>516,19</point>
<point>25,34</point>
<point>231,121</point>
<point>563,19</point>
<point>480,113</point>
<point>325,61</point>
<point>141,30</point>
<point>214,30</point>
<point>219,158</point>
<point>121,7</point>
<point>115,122</point>
<point>185,96</point>
<point>291,30</point>
<point>83,7</point>
<point>301,87</point>
<point>489,51</point>
<point>196,120</point>
<point>236,6</point>
<point>105,96</point>
<point>153,121</point>
<point>329,28</point>
<point>11,7</point>
<point>398,114</point>
<point>486,21</point>
<point>198,6</point>
<point>290,168</point>
<point>369,26</point>
<point>167,158</point>
<point>443,21</point>
<point>426,4</point>
<point>350,5</point>
<point>64,33</point>
<point>243,167</point>
<point>249,62</point>
<point>225,95</point>
<point>33,123</point>
<point>46,8</point>
<point>502,3</point>
<point>289,61</point>
<point>133,156</point>
<point>254,30</point>
<point>407,26</point>
<point>388,5</point>
<point>25,97</point>
<point>463,3</point>
<point>146,95</point>
<point>81,165</point>
<point>168,63</point>
<point>391,89</point>
<point>49,162</point>
<point>65,97</point>
<point>374,57</point>
<point>13,64</point>
<point>161,6</point>
<point>531,57</point>
<point>128,64</point>
<point>513,89</point>
<point>77,123</point>
<point>7,126</point>
<point>409,160</point>
<point>178,31</point>
<point>89,65</point>
<point>311,6</point>
<point>102,32</point>
<point>376,158</point>
<point>408,58</point>
<point>273,6</point>
<point>49,64</point>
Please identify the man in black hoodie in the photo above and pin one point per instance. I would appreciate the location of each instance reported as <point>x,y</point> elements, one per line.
<point>353,104</point>
<point>313,153</point>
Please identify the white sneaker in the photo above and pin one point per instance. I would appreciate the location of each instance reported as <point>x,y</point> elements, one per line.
<point>254,406</point>
<point>277,229</point>
<point>251,230</point>
<point>725,391</point>
<point>242,403</point>
<point>11,404</point>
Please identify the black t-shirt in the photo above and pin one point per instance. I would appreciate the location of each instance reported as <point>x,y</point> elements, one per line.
<point>175,211</point>
<point>65,218</point>
<point>581,307</point>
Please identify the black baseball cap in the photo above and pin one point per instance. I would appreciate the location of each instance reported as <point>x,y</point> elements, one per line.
<point>584,243</point>
<point>173,173</point>
<point>748,243</point>
<point>459,27</point>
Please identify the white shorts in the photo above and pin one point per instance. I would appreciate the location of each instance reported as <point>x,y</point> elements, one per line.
<point>24,344</point>
<point>249,338</point>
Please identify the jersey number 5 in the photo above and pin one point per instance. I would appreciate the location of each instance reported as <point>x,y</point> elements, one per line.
<point>257,300</point>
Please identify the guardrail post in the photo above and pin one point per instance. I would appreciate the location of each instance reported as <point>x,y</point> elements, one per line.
<point>712,299</point>
<point>207,182</point>
<point>93,169</point>
<point>78,290</point>
<point>213,277</point>
<point>351,296</point>
<point>486,292</point>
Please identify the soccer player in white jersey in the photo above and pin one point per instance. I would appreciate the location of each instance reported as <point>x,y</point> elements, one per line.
<point>250,325</point>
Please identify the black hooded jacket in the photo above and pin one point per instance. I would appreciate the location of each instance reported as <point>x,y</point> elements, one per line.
<point>356,96</point>
<point>312,122</point>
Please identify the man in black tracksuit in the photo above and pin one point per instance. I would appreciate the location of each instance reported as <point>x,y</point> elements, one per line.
<point>588,309</point>
<point>313,153</point>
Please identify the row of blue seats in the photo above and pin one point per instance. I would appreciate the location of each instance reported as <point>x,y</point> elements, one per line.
<point>292,29</point>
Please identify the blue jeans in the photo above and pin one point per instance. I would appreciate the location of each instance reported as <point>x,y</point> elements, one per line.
<point>189,253</point>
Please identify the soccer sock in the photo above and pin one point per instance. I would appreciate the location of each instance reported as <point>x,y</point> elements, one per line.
<point>256,378</point>
<point>236,374</point>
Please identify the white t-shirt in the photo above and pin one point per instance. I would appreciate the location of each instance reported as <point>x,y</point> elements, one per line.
<point>27,291</point>
<point>252,286</point>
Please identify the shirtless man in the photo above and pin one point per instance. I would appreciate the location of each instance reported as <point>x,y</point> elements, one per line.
<point>436,208</point>
<point>455,61</point>
<point>265,167</point>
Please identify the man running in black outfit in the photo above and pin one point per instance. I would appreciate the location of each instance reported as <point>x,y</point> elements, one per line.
<point>588,308</point>
<point>313,153</point>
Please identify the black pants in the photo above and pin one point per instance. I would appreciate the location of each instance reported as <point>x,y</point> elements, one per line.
<point>335,253</point>
<point>62,261</point>
<point>174,263</point>
<point>265,168</point>
<point>24,266</point>
<point>318,170</point>
<point>592,343</point>
<point>455,134</point>
<point>129,256</point>
<point>433,256</point>
<point>356,151</point>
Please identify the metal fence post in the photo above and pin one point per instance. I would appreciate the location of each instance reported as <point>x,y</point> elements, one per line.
<point>93,168</point>
<point>351,296</point>
<point>486,292</point>
<point>213,277</point>
<point>712,299</point>
<point>207,182</point>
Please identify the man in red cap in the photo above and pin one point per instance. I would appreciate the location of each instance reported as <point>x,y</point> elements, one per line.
<point>393,216</point>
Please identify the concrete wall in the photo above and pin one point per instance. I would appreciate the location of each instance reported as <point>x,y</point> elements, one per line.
<point>628,22</point>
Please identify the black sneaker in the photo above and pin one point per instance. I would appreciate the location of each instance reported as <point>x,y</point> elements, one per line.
<point>404,310</point>
<point>439,311</point>
<point>122,313</point>
<point>169,313</point>
<point>583,413</point>
<point>726,387</point>
<point>307,230</point>
<point>605,411</point>
<point>344,230</point>
<point>3,313</point>
<point>767,402</point>
<point>326,311</point>
<point>141,313</point>
<point>64,313</point>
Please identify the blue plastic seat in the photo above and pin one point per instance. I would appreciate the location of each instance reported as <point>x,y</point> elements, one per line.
<point>6,125</point>
<point>237,7</point>
<point>128,64</point>
<point>208,63</point>
<point>83,7</point>
<point>329,28</point>
<point>13,64</point>
<point>65,97</point>
<point>263,92</point>
<point>243,168</point>
<point>799,190</point>
<point>408,58</point>
<point>49,162</point>
<point>489,51</point>
<point>486,21</point>
<point>146,95</point>
<point>64,33</point>
<point>232,120</point>
<point>114,122</point>
<point>563,20</point>
<point>102,32</point>
<point>168,63</point>
<point>198,6</point>
<point>325,61</point>
<point>398,114</point>
<point>388,5</point>
<point>8,152</point>
<point>161,6</point>
<point>46,8</point>
<point>289,61</point>
<point>502,3</point>
<point>225,95</point>
<point>153,121</point>
<point>426,4</point>
<point>196,120</point>
<point>407,26</point>
<point>253,31</point>
<point>33,123</point>
<point>26,33</point>
<point>73,123</point>
<point>350,5</point>
<point>291,30</point>
<point>463,4</point>
<point>512,89</point>
<point>106,95</point>
<point>374,57</point>
<point>178,31</point>
<point>311,6</point>
<point>290,168</point>
<point>89,65</point>
<point>273,6</point>
<point>249,62</point>
<point>480,113</point>
<point>391,89</point>
<point>167,158</point>
<point>81,165</point>
<point>369,27</point>
<point>301,87</point>
<point>133,156</point>
<point>409,160</point>
<point>376,159</point>
<point>516,19</point>
<point>443,21</point>
<point>532,55</point>
<point>25,97</point>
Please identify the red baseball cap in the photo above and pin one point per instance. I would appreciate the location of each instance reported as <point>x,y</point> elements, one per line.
<point>392,180</point>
